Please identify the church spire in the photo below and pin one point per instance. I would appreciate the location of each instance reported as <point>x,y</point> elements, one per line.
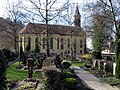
<point>77,21</point>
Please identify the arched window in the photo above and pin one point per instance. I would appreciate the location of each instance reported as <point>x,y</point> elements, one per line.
<point>28,44</point>
<point>20,41</point>
<point>81,44</point>
<point>75,46</point>
<point>68,43</point>
<point>36,40</point>
<point>43,42</point>
<point>58,43</point>
<point>51,43</point>
<point>37,49</point>
<point>62,43</point>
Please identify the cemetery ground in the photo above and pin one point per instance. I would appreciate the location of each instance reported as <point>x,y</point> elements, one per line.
<point>16,75</point>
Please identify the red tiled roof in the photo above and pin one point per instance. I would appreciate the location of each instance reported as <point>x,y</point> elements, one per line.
<point>52,29</point>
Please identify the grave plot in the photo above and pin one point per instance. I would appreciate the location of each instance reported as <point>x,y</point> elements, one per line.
<point>27,84</point>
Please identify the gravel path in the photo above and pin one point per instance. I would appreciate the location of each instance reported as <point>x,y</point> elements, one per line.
<point>92,81</point>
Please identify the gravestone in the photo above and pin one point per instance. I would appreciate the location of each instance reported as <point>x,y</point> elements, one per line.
<point>30,63</point>
<point>48,65</point>
<point>114,66</point>
<point>104,65</point>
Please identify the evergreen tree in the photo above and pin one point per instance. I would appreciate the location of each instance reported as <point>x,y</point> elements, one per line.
<point>98,33</point>
<point>21,52</point>
<point>117,70</point>
<point>21,55</point>
<point>2,71</point>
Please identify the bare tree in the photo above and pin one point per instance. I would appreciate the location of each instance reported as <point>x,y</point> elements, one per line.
<point>45,11</point>
<point>112,9</point>
<point>110,18</point>
<point>14,22</point>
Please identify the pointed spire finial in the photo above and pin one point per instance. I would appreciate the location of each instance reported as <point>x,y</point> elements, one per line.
<point>77,20</point>
<point>77,9</point>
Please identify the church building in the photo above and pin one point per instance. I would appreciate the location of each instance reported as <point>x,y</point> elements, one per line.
<point>61,39</point>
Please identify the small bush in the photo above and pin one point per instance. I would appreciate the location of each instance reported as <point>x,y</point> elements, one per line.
<point>6,52</point>
<point>88,65</point>
<point>96,55</point>
<point>66,65</point>
<point>109,67</point>
<point>52,80</point>
<point>2,71</point>
<point>70,83</point>
<point>64,75</point>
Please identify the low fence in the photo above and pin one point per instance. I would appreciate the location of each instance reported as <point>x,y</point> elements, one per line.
<point>108,66</point>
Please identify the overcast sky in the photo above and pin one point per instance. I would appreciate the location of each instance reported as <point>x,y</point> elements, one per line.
<point>4,2</point>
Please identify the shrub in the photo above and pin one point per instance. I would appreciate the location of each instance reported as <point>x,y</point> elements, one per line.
<point>58,61</point>
<point>21,53</point>
<point>66,65</point>
<point>96,55</point>
<point>70,83</point>
<point>108,58</point>
<point>71,70</point>
<point>6,53</point>
<point>52,80</point>
<point>64,75</point>
<point>109,67</point>
<point>88,65</point>
<point>2,71</point>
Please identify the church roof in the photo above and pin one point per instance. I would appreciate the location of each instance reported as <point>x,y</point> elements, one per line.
<point>33,28</point>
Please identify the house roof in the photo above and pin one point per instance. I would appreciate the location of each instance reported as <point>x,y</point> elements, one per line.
<point>33,28</point>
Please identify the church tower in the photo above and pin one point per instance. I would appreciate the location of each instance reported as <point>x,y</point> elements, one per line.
<point>77,21</point>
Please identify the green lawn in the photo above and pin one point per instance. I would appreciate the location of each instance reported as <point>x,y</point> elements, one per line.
<point>75,63</point>
<point>13,73</point>
<point>78,64</point>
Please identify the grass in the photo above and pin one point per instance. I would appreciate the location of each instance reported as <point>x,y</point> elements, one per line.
<point>13,73</point>
<point>75,63</point>
<point>78,64</point>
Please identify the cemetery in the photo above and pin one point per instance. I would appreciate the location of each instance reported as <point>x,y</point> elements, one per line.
<point>48,73</point>
<point>60,45</point>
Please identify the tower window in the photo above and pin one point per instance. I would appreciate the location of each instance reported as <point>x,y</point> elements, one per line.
<point>68,43</point>
<point>81,44</point>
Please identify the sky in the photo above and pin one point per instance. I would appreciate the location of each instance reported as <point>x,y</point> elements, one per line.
<point>4,2</point>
